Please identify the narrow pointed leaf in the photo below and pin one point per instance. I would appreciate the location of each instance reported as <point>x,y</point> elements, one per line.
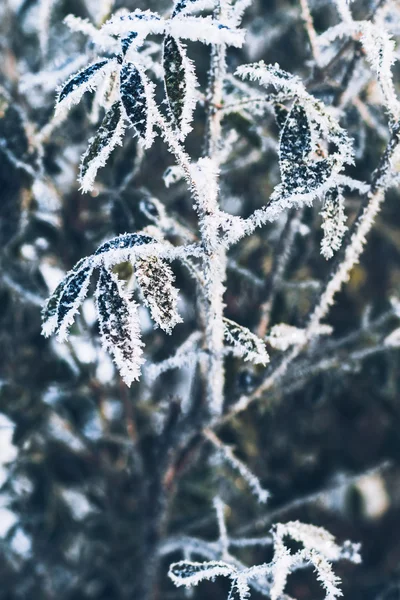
<point>180,83</point>
<point>119,326</point>
<point>101,145</point>
<point>191,573</point>
<point>86,80</point>
<point>155,279</point>
<point>245,343</point>
<point>135,90</point>
<point>122,242</point>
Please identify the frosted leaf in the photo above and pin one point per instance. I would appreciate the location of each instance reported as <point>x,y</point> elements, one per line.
<point>334,222</point>
<point>321,124</point>
<point>124,241</point>
<point>180,83</point>
<point>246,344</point>
<point>101,145</point>
<point>86,80</point>
<point>155,279</point>
<point>136,95</point>
<point>299,174</point>
<point>119,326</point>
<point>59,311</point>
<point>283,336</point>
<point>191,573</point>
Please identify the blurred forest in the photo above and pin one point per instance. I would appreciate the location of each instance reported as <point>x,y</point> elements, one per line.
<point>93,479</point>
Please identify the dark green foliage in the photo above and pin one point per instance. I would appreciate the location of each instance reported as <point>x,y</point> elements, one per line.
<point>133,97</point>
<point>174,78</point>
<point>82,77</point>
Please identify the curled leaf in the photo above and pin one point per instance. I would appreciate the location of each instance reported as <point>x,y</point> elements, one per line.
<point>333,222</point>
<point>124,241</point>
<point>246,344</point>
<point>191,573</point>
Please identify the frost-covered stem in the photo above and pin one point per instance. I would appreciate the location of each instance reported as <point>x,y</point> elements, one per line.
<point>249,477</point>
<point>351,257</point>
<point>309,26</point>
<point>215,260</point>
<point>215,88</point>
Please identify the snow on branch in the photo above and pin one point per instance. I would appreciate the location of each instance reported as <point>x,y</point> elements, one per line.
<point>197,29</point>
<point>318,549</point>
<point>252,480</point>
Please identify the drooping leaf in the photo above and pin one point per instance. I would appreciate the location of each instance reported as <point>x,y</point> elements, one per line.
<point>191,573</point>
<point>119,326</point>
<point>135,90</point>
<point>300,174</point>
<point>333,222</point>
<point>295,142</point>
<point>85,80</point>
<point>101,145</point>
<point>155,279</point>
<point>180,83</point>
<point>245,343</point>
<point>59,311</point>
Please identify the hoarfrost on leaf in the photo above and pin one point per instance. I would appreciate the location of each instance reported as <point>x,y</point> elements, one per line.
<point>333,222</point>
<point>137,99</point>
<point>180,84</point>
<point>119,326</point>
<point>189,573</point>
<point>107,137</point>
<point>245,343</point>
<point>155,279</point>
<point>86,80</point>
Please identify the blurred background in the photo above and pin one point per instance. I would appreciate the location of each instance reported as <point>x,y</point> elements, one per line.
<point>78,449</point>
